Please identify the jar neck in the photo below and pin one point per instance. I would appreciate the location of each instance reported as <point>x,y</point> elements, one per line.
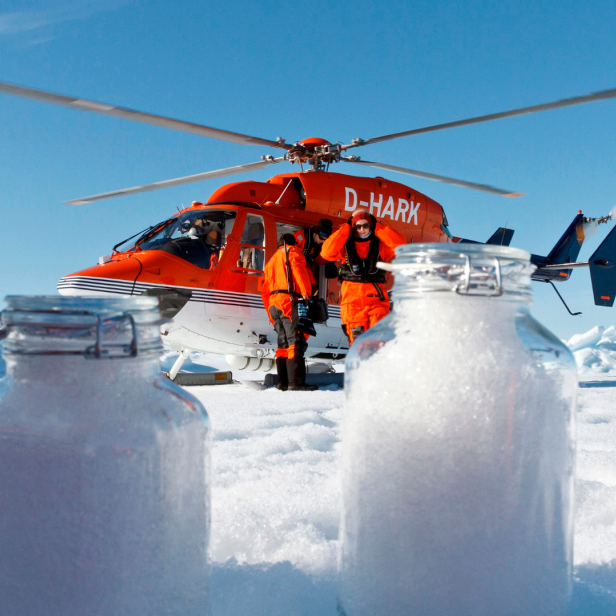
<point>93,330</point>
<point>492,272</point>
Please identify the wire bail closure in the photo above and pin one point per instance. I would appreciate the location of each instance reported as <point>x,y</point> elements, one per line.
<point>471,285</point>
<point>101,351</point>
<point>464,288</point>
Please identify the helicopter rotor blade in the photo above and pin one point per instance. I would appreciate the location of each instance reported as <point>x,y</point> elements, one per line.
<point>567,102</point>
<point>437,178</point>
<point>139,116</point>
<point>198,177</point>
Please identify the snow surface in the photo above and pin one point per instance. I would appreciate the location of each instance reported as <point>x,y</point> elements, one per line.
<point>595,352</point>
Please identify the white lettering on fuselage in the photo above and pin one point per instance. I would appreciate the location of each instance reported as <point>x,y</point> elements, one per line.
<point>405,212</point>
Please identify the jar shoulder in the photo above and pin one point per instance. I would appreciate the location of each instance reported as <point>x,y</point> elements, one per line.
<point>120,405</point>
<point>541,342</point>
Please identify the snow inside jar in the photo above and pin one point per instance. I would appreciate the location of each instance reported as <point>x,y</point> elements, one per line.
<point>458,445</point>
<point>104,465</point>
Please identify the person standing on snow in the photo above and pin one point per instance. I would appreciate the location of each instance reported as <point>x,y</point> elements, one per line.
<point>285,293</point>
<point>361,243</point>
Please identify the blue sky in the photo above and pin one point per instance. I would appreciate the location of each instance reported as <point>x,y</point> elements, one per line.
<point>335,70</point>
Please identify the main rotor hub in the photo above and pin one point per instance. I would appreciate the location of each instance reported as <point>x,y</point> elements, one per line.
<point>315,151</point>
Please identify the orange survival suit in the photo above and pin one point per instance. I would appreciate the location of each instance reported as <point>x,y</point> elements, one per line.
<point>311,249</point>
<point>301,237</point>
<point>280,294</point>
<point>364,299</point>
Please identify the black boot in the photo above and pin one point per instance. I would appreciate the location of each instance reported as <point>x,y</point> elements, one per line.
<point>296,369</point>
<point>283,377</point>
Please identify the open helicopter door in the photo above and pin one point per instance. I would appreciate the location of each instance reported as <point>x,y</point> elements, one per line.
<point>237,312</point>
<point>330,343</point>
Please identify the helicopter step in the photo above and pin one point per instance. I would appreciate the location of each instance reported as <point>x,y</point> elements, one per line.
<point>192,379</point>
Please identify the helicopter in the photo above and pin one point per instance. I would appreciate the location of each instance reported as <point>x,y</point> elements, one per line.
<point>205,263</point>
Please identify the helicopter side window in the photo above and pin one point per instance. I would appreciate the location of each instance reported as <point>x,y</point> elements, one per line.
<point>252,246</point>
<point>284,227</point>
<point>198,237</point>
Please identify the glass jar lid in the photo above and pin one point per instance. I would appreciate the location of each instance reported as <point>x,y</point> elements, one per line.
<point>466,269</point>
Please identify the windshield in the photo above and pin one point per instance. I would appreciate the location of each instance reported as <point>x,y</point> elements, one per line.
<point>211,226</point>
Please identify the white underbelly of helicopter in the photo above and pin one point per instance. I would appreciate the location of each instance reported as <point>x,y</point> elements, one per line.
<point>220,322</point>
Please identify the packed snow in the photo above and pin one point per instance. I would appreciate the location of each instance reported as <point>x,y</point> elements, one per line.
<point>595,352</point>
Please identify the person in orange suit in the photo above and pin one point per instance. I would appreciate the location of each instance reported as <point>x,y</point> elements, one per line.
<point>287,283</point>
<point>212,240</point>
<point>309,242</point>
<point>361,243</point>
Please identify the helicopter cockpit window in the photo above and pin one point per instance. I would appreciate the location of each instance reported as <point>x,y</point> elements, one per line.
<point>198,237</point>
<point>252,246</point>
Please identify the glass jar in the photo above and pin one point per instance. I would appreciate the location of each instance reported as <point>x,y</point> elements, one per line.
<point>458,445</point>
<point>104,465</point>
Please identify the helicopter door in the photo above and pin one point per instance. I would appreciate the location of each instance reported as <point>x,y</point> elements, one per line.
<point>251,258</point>
<point>317,270</point>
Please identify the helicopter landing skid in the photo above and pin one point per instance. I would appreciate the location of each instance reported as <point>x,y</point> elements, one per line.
<point>179,362</point>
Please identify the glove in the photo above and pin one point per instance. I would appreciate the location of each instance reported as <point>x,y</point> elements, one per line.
<point>331,271</point>
<point>302,310</point>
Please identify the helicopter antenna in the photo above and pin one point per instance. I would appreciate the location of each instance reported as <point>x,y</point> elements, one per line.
<point>573,314</point>
<point>283,192</point>
<point>503,238</point>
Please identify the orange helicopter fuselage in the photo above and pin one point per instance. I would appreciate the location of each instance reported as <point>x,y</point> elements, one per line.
<point>284,203</point>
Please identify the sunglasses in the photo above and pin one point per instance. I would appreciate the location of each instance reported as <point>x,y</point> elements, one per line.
<point>363,226</point>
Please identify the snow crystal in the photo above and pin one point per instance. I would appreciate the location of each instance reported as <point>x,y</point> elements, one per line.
<point>457,474</point>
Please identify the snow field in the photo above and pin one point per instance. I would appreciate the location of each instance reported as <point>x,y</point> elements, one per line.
<point>276,460</point>
<point>596,477</point>
<point>275,482</point>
